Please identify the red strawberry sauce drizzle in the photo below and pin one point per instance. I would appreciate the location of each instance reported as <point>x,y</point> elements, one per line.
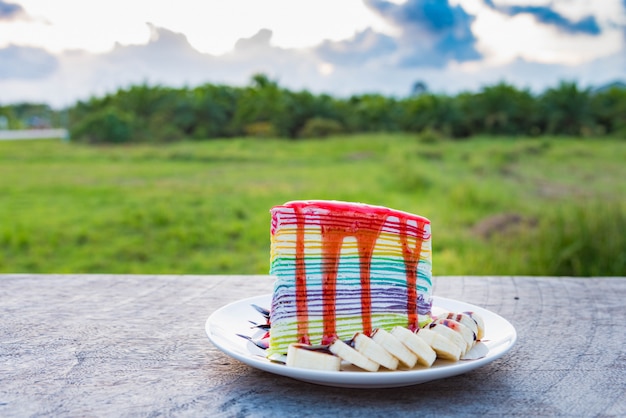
<point>411,260</point>
<point>301,303</point>
<point>366,226</point>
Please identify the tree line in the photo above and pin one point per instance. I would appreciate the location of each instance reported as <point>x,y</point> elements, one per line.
<point>144,113</point>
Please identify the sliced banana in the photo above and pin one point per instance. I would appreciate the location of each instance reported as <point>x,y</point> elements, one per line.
<point>480,324</point>
<point>298,355</point>
<point>374,351</point>
<point>468,335</point>
<point>394,346</point>
<point>444,347</point>
<point>464,319</point>
<point>426,356</point>
<point>450,334</point>
<point>349,354</point>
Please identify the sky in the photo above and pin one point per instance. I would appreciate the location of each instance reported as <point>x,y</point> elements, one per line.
<point>62,51</point>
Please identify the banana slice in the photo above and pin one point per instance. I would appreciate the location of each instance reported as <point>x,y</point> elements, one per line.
<point>426,356</point>
<point>444,347</point>
<point>395,347</point>
<point>464,319</point>
<point>374,351</point>
<point>480,324</point>
<point>468,336</point>
<point>349,354</point>
<point>450,334</point>
<point>298,355</point>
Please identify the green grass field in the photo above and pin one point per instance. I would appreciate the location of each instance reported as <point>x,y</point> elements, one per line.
<point>549,206</point>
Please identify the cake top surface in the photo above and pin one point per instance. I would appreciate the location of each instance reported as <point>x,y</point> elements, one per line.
<point>361,208</point>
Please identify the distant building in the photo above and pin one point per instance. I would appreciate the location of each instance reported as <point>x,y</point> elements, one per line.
<point>38,122</point>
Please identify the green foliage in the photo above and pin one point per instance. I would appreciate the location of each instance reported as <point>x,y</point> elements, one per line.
<point>107,125</point>
<point>372,113</point>
<point>264,108</point>
<point>609,111</point>
<point>30,116</point>
<point>212,110</point>
<point>261,102</point>
<point>500,110</point>
<point>320,128</point>
<point>566,110</point>
<point>7,115</point>
<point>429,112</point>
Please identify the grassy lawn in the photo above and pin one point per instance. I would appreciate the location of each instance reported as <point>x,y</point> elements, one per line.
<point>554,206</point>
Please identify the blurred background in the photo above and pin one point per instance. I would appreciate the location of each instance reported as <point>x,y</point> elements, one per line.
<point>151,137</point>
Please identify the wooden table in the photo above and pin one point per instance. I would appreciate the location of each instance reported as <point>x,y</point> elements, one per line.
<point>103,345</point>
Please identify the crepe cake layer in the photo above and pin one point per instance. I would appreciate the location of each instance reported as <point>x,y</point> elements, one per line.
<point>342,268</point>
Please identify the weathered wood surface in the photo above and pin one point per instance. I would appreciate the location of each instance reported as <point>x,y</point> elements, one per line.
<point>105,345</point>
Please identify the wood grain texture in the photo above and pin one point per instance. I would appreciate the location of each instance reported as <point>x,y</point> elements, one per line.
<point>103,345</point>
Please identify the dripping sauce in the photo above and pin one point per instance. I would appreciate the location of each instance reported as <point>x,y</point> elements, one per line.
<point>365,225</point>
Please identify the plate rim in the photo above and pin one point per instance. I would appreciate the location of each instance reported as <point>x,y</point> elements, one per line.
<point>363,379</point>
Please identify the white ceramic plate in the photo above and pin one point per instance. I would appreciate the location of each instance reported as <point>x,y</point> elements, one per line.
<point>224,324</point>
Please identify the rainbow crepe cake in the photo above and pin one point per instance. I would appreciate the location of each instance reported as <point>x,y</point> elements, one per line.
<point>342,268</point>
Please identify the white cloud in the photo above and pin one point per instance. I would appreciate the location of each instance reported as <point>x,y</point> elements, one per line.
<point>211,26</point>
<point>520,37</point>
<point>308,49</point>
